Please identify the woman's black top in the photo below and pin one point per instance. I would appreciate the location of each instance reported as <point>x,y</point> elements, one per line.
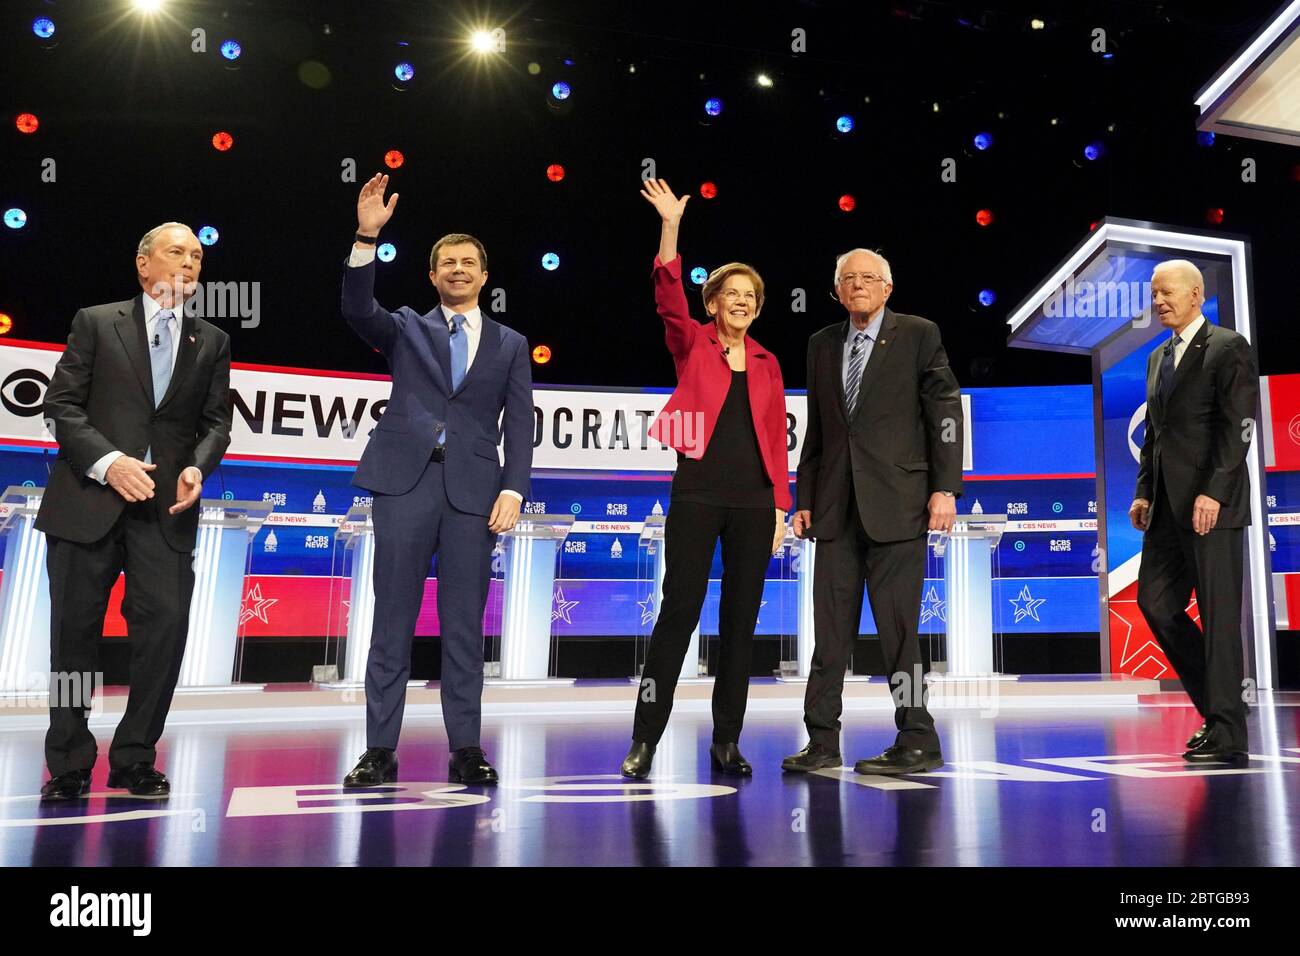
<point>731,473</point>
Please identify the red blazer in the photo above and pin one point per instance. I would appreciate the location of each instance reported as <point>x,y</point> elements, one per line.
<point>703,379</point>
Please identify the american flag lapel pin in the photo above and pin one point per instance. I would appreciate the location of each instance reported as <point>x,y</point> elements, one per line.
<point>191,338</point>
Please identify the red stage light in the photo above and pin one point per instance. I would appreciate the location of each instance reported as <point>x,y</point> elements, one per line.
<point>6,323</point>
<point>394,158</point>
<point>847,203</point>
<point>542,354</point>
<point>27,122</point>
<point>984,217</point>
<point>222,141</point>
<point>1214,216</point>
<point>555,172</point>
<point>708,190</point>
<point>1095,223</point>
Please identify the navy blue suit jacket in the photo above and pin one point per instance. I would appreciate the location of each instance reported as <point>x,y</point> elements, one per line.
<point>418,351</point>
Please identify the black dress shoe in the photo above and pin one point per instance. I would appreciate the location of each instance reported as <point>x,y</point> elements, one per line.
<point>66,786</point>
<point>1196,739</point>
<point>377,765</point>
<point>141,779</point>
<point>899,760</point>
<point>1213,753</point>
<point>813,757</point>
<point>728,759</point>
<point>469,765</point>
<point>637,762</point>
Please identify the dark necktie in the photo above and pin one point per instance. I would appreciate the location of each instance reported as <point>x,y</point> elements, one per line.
<point>1165,383</point>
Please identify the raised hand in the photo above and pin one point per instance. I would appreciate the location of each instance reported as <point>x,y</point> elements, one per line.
<point>372,211</point>
<point>669,207</point>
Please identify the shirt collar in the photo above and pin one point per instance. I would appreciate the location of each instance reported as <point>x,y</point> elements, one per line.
<point>873,326</point>
<point>152,308</point>
<point>473,317</point>
<point>1193,327</point>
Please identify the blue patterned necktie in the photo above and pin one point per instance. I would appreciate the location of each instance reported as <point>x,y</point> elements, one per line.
<point>160,358</point>
<point>853,377</point>
<point>459,351</point>
<point>1165,384</point>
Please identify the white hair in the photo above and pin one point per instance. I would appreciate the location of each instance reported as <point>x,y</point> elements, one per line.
<point>145,245</point>
<point>884,264</point>
<point>1187,268</point>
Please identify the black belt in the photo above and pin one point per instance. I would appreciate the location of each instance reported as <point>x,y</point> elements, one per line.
<point>439,454</point>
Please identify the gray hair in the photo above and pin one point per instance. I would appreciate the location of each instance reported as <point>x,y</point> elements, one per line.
<point>884,264</point>
<point>1187,268</point>
<point>149,238</point>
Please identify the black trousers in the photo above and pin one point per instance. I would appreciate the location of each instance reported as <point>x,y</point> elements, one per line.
<point>894,572</point>
<point>1176,560</point>
<point>690,533</point>
<point>156,605</point>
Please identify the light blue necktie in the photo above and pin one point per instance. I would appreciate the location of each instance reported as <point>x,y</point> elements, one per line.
<point>853,377</point>
<point>160,357</point>
<point>459,359</point>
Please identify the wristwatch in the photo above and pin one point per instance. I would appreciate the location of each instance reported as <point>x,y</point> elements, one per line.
<point>950,494</point>
<point>367,240</point>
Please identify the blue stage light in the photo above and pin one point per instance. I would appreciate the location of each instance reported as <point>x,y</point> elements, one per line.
<point>561,90</point>
<point>550,262</point>
<point>386,252</point>
<point>404,72</point>
<point>231,49</point>
<point>844,124</point>
<point>699,274</point>
<point>983,141</point>
<point>987,297</point>
<point>209,236</point>
<point>43,27</point>
<point>15,218</point>
<point>1094,150</point>
<point>713,106</point>
<point>1205,138</point>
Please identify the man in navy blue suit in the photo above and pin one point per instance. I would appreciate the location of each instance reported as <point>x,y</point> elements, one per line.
<point>432,466</point>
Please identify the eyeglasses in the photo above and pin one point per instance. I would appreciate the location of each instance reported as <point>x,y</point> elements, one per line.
<point>868,277</point>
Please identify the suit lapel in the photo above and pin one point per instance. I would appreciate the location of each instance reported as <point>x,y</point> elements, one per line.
<point>1153,380</point>
<point>1193,357</point>
<point>876,360</point>
<point>435,324</point>
<point>489,343</point>
<point>837,369</point>
<point>189,346</point>
<point>131,330</point>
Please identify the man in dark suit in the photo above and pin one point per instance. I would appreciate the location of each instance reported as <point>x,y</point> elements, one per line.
<point>437,481</point>
<point>880,466</point>
<point>1192,502</point>
<point>139,404</point>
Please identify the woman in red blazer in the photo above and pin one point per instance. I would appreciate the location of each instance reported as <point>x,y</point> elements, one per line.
<point>726,420</point>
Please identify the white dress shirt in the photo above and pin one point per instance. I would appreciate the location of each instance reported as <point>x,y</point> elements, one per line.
<point>472,327</point>
<point>1185,338</point>
<point>152,311</point>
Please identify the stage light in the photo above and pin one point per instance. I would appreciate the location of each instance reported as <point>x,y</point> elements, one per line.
<point>6,323</point>
<point>208,235</point>
<point>542,354</point>
<point>764,81</point>
<point>708,190</point>
<point>844,124</point>
<point>482,42</point>
<point>713,106</point>
<point>27,122</point>
<point>983,141</point>
<point>15,218</point>
<point>984,217</point>
<point>534,68</point>
<point>1204,138</point>
<point>386,252</point>
<point>43,27</point>
<point>987,297</point>
<point>699,274</point>
<point>222,141</point>
<point>1037,24</point>
<point>561,90</point>
<point>1094,150</point>
<point>555,172</point>
<point>1214,216</point>
<point>394,158</point>
<point>550,262</point>
<point>404,72</point>
<point>147,6</point>
<point>231,50</point>
<point>847,203</point>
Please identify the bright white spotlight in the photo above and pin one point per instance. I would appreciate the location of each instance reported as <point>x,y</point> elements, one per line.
<point>487,41</point>
<point>148,6</point>
<point>1037,24</point>
<point>764,80</point>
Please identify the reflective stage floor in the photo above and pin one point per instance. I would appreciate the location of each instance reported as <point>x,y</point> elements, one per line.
<point>1095,784</point>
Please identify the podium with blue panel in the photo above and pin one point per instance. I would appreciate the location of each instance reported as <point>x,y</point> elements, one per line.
<point>1097,303</point>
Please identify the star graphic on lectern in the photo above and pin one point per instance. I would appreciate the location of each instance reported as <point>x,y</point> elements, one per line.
<point>647,609</point>
<point>1026,605</point>
<point>246,614</point>
<point>562,607</point>
<point>932,607</point>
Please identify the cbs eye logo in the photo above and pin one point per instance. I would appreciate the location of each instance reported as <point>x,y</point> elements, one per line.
<point>23,392</point>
